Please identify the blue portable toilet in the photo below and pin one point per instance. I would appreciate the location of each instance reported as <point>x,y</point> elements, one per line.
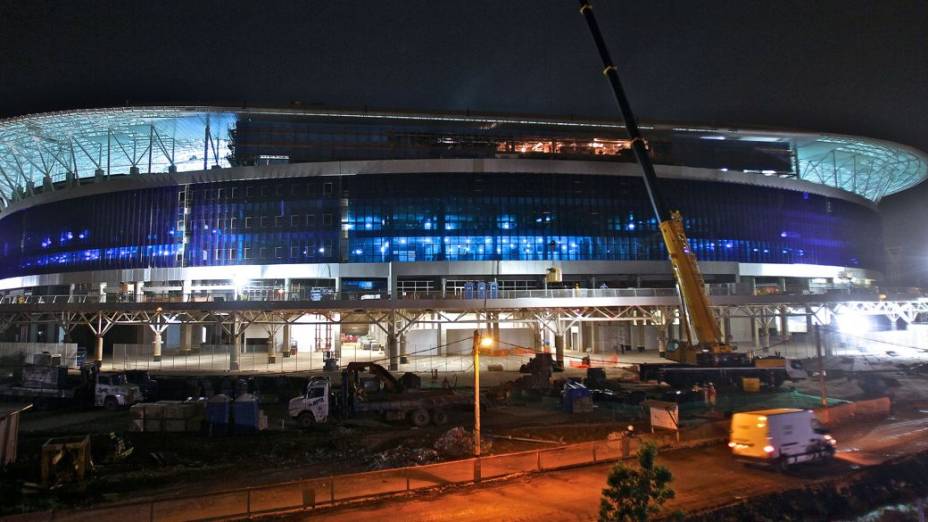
<point>245,413</point>
<point>218,409</point>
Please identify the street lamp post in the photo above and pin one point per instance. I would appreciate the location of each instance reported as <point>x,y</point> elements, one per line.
<point>485,342</point>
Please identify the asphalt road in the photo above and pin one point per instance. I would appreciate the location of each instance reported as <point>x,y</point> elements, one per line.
<point>703,478</point>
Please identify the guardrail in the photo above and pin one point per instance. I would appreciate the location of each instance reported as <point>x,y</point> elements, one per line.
<point>310,494</point>
<point>320,296</point>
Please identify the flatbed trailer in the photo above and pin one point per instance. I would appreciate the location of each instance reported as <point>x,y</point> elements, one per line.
<point>685,375</point>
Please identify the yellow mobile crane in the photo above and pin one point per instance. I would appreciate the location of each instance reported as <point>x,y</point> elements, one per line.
<point>709,349</point>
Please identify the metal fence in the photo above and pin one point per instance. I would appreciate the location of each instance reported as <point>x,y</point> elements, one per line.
<point>263,295</point>
<point>29,351</point>
<point>305,495</point>
<point>217,358</point>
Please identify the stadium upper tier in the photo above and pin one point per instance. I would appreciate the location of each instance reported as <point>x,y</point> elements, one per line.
<point>41,150</point>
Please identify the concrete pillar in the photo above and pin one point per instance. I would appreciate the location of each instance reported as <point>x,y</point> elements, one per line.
<point>784,322</point>
<point>139,291</point>
<point>236,350</point>
<point>755,338</point>
<point>186,290</point>
<point>285,345</point>
<point>102,292</point>
<point>627,338</point>
<point>766,329</point>
<point>271,348</point>
<point>403,358</point>
<point>726,325</point>
<point>98,353</point>
<point>391,351</point>
<point>186,337</point>
<point>156,347</point>
<point>559,348</point>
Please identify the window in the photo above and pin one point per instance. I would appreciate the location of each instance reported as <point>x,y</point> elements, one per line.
<point>326,219</point>
<point>249,222</point>
<point>265,221</point>
<point>220,193</point>
<point>279,252</point>
<point>233,223</point>
<point>265,191</point>
<point>327,189</point>
<point>262,253</point>
<point>279,221</point>
<point>217,254</point>
<point>246,253</point>
<point>296,220</point>
<point>250,191</point>
<point>234,192</point>
<point>294,251</point>
<point>180,225</point>
<point>310,220</point>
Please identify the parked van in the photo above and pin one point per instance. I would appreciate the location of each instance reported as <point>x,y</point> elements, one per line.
<point>779,437</point>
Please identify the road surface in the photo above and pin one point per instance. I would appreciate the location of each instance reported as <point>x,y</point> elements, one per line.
<point>703,478</point>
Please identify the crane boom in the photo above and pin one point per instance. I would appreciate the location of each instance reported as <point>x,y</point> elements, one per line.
<point>709,347</point>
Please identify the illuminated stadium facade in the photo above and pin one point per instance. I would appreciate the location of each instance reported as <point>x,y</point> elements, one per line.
<point>206,201</point>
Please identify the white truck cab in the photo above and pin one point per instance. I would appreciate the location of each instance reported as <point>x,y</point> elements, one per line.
<point>313,406</point>
<point>779,437</point>
<point>113,391</point>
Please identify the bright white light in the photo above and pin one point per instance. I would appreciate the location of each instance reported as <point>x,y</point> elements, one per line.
<point>854,323</point>
<point>240,281</point>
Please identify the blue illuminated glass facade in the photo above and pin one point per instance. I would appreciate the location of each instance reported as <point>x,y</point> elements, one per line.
<point>430,217</point>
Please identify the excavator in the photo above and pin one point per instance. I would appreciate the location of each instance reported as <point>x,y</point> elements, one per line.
<point>707,357</point>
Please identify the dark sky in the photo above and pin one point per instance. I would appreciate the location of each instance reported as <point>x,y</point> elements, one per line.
<point>857,67</point>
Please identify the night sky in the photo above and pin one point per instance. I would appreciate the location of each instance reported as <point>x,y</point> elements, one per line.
<point>841,66</point>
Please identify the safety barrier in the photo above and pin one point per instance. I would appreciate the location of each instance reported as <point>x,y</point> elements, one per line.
<point>842,413</point>
<point>311,494</point>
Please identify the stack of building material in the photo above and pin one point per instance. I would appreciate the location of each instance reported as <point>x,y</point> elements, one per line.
<point>169,416</point>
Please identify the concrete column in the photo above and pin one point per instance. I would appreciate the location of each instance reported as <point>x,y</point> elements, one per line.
<point>98,354</point>
<point>186,337</point>
<point>271,348</point>
<point>156,347</point>
<point>559,348</point>
<point>403,358</point>
<point>627,338</point>
<point>784,322</point>
<point>442,341</point>
<point>185,290</point>
<point>285,345</point>
<point>726,325</point>
<point>392,351</point>
<point>102,293</point>
<point>235,353</point>
<point>766,329</point>
<point>139,291</point>
<point>754,334</point>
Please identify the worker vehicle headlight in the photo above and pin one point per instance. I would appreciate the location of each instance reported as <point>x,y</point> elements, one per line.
<point>769,449</point>
<point>732,444</point>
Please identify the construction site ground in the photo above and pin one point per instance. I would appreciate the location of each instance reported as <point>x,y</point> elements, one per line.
<point>188,463</point>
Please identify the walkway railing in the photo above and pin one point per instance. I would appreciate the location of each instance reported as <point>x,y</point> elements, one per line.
<point>323,296</point>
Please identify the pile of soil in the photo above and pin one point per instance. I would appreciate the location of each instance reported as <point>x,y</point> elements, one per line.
<point>897,481</point>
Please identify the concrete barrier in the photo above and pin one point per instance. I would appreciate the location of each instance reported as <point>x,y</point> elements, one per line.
<point>843,413</point>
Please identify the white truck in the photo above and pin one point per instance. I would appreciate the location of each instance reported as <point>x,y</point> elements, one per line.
<point>313,406</point>
<point>779,437</point>
<point>49,386</point>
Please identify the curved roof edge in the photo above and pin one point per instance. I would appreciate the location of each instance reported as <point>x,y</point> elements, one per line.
<point>49,148</point>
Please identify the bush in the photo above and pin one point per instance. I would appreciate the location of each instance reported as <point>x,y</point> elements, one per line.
<point>634,495</point>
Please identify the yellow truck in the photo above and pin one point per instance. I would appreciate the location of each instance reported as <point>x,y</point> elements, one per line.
<point>780,437</point>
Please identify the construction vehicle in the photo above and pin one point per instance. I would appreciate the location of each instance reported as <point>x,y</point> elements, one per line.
<point>705,357</point>
<point>369,389</point>
<point>779,437</point>
<point>47,386</point>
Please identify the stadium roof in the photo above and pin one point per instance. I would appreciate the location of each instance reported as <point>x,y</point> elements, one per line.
<point>39,148</point>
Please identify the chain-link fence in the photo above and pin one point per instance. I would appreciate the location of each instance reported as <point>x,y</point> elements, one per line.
<point>34,353</point>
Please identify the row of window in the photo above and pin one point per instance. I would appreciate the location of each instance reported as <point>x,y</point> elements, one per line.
<point>234,192</point>
<point>435,217</point>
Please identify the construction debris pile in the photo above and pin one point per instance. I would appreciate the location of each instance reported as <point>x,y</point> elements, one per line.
<point>170,416</point>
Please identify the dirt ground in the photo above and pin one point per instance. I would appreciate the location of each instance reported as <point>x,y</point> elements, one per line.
<point>164,464</point>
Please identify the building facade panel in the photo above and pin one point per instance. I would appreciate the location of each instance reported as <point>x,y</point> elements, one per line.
<point>430,217</point>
